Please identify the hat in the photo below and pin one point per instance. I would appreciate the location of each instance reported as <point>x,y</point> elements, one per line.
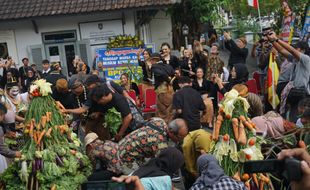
<point>74,83</point>
<point>242,90</point>
<point>89,138</point>
<point>92,79</point>
<point>243,40</point>
<point>62,85</point>
<point>155,56</point>
<point>55,66</point>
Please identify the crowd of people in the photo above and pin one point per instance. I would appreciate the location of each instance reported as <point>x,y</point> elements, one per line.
<point>152,151</point>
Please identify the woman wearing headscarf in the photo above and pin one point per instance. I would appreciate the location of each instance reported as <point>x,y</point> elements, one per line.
<point>157,173</point>
<point>212,176</point>
<point>239,75</point>
<point>31,77</point>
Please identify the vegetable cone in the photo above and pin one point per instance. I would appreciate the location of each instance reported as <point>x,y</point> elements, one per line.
<point>47,161</point>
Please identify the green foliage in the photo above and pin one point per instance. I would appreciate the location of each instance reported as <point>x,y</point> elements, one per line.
<point>113,120</point>
<point>121,41</point>
<point>207,10</point>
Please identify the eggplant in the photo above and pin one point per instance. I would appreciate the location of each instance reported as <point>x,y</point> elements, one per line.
<point>33,167</point>
<point>81,162</point>
<point>59,161</point>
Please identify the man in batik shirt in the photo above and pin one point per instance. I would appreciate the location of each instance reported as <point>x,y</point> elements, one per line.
<point>215,63</point>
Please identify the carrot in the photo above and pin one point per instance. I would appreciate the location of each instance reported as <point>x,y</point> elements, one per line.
<point>242,118</point>
<point>264,178</point>
<point>220,118</point>
<point>261,185</point>
<point>251,142</point>
<point>242,135</point>
<point>245,177</point>
<point>221,110</point>
<point>248,125</point>
<point>48,133</point>
<point>302,144</point>
<point>43,121</point>
<point>228,116</point>
<point>73,152</point>
<point>254,176</point>
<point>248,157</point>
<point>31,128</point>
<point>235,128</point>
<point>237,176</point>
<point>216,130</point>
<point>40,137</point>
<point>53,187</point>
<point>226,137</point>
<point>38,127</point>
<point>34,135</point>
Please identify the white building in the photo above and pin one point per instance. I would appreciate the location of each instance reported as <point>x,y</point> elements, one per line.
<point>60,29</point>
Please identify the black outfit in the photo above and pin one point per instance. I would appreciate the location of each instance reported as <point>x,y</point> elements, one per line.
<point>185,67</point>
<point>190,102</point>
<point>237,55</point>
<point>205,88</point>
<point>119,102</point>
<point>54,76</point>
<point>162,73</point>
<point>200,60</point>
<point>66,99</point>
<point>14,72</point>
<point>167,162</point>
<point>44,74</point>
<point>174,62</point>
<point>242,77</point>
<point>23,75</point>
<point>175,84</point>
<point>144,66</point>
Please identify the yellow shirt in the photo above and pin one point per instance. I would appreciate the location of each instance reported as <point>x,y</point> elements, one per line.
<point>193,143</point>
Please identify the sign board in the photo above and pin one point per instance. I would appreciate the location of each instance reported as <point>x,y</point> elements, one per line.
<point>100,32</point>
<point>119,60</point>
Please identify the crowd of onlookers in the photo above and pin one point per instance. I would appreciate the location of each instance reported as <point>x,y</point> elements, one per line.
<point>153,150</point>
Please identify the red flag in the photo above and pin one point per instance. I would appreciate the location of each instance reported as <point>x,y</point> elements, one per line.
<point>253,3</point>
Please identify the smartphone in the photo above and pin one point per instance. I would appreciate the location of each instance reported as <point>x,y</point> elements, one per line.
<point>263,166</point>
<point>290,168</point>
<point>105,185</point>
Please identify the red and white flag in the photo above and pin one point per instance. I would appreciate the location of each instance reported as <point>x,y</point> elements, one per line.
<point>253,3</point>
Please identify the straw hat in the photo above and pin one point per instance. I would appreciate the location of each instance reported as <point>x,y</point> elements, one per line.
<point>89,138</point>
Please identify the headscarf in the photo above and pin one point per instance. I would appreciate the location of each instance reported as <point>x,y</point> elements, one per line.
<point>166,163</point>
<point>242,75</point>
<point>210,171</point>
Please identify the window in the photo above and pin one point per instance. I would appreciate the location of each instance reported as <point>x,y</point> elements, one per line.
<point>58,37</point>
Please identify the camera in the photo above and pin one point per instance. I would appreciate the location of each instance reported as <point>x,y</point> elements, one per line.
<point>289,168</point>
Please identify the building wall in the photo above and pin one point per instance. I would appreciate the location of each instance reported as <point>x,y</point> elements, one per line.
<point>22,33</point>
<point>25,34</point>
<point>160,29</point>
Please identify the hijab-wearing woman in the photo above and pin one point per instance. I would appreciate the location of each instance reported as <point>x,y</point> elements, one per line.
<point>31,77</point>
<point>167,57</point>
<point>212,176</point>
<point>157,173</point>
<point>128,86</point>
<point>239,75</point>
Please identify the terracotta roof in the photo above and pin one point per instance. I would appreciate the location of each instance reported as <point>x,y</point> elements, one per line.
<point>18,9</point>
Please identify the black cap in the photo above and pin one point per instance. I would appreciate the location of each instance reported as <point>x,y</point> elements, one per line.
<point>155,56</point>
<point>92,79</point>
<point>74,83</point>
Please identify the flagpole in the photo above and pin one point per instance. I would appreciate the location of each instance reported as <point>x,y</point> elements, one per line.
<point>260,18</point>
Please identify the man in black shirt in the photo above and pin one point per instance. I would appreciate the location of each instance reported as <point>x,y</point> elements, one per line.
<point>23,72</point>
<point>46,68</point>
<point>55,74</point>
<point>188,104</point>
<point>103,96</point>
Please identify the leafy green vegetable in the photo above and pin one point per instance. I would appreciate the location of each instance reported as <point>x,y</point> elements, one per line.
<point>113,120</point>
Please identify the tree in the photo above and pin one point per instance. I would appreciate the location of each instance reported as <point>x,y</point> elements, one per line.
<point>193,13</point>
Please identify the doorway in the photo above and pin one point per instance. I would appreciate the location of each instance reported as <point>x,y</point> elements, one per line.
<point>63,53</point>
